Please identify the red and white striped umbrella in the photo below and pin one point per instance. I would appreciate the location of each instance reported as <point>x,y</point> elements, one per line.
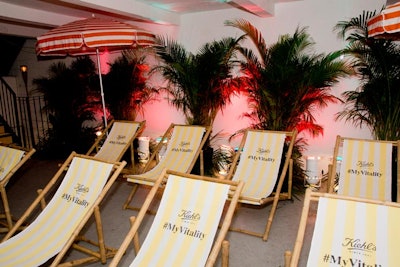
<point>386,24</point>
<point>86,36</point>
<point>92,36</point>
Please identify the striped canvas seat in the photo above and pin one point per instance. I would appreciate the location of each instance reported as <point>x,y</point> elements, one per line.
<point>112,144</point>
<point>184,230</point>
<point>183,148</point>
<point>56,227</point>
<point>364,168</point>
<point>11,159</point>
<point>348,231</point>
<point>262,164</point>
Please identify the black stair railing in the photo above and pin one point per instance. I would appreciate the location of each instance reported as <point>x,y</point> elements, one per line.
<point>23,116</point>
<point>9,110</point>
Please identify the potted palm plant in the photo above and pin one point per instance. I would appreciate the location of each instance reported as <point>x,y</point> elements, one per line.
<point>201,84</point>
<point>375,103</point>
<point>287,81</point>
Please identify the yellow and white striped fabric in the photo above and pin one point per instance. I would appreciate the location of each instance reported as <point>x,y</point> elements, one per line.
<point>366,169</point>
<point>46,236</point>
<point>350,233</point>
<point>181,150</point>
<point>117,141</point>
<point>259,163</point>
<point>9,158</point>
<point>184,227</point>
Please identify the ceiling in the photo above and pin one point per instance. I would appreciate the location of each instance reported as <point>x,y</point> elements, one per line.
<point>32,17</point>
<point>27,19</point>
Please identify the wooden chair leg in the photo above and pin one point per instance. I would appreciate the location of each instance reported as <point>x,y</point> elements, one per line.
<point>201,163</point>
<point>331,182</point>
<point>290,179</point>
<point>7,212</point>
<point>288,256</point>
<point>130,197</point>
<point>225,254</point>
<point>100,234</point>
<point>271,217</point>
<point>136,244</point>
<point>42,201</point>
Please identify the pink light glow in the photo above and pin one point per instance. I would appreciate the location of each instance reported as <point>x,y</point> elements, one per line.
<point>159,115</point>
<point>231,120</point>
<point>104,60</point>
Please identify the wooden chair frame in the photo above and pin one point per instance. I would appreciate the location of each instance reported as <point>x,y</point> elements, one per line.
<point>287,168</point>
<point>332,167</point>
<point>154,160</point>
<point>219,242</point>
<point>75,240</point>
<point>7,218</point>
<point>95,148</point>
<point>292,258</point>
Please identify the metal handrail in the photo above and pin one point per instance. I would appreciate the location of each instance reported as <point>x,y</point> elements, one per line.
<point>23,117</point>
<point>9,109</point>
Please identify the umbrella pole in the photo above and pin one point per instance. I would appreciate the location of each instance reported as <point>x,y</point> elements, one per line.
<point>101,88</point>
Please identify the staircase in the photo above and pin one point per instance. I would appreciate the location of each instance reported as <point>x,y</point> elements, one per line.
<point>5,138</point>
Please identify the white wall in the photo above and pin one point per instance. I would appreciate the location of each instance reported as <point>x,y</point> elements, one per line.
<point>320,16</point>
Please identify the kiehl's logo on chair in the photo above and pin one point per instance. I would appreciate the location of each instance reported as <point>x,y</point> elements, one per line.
<point>260,155</point>
<point>183,146</point>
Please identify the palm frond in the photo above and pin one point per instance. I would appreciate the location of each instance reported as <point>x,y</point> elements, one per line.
<point>376,63</point>
<point>251,32</point>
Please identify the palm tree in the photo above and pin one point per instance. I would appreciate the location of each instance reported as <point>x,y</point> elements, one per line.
<point>200,84</point>
<point>375,103</point>
<point>287,82</point>
<point>66,91</point>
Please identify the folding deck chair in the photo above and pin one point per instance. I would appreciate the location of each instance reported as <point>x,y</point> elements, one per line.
<point>348,231</point>
<point>184,229</point>
<point>11,159</point>
<point>262,158</point>
<point>365,168</point>
<point>115,140</point>
<point>78,193</point>
<point>185,143</point>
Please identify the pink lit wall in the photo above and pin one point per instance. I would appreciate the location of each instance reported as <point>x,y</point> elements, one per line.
<point>158,116</point>
<point>231,120</point>
<point>104,60</point>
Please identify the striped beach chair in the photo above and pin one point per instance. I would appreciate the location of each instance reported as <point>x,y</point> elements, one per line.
<point>12,158</point>
<point>185,229</point>
<point>262,162</point>
<point>55,230</point>
<point>184,146</point>
<point>115,140</point>
<point>363,168</point>
<point>348,231</point>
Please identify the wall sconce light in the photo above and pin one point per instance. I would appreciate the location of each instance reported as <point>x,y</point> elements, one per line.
<point>24,68</point>
<point>24,72</point>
